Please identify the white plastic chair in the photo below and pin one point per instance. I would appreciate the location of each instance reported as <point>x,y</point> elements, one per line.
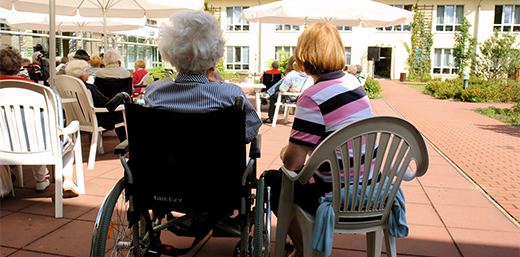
<point>398,143</point>
<point>78,105</point>
<point>30,134</point>
<point>308,82</point>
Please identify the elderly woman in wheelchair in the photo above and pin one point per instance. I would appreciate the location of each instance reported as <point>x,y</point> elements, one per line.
<point>191,121</point>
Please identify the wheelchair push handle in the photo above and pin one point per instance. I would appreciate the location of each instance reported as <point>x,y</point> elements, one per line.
<point>121,97</point>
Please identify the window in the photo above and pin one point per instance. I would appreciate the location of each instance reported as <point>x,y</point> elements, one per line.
<point>507,18</point>
<point>344,28</point>
<point>4,26</point>
<point>151,22</point>
<point>237,58</point>
<point>443,62</point>
<point>234,19</point>
<point>280,27</point>
<point>288,49</point>
<point>348,56</point>
<point>408,7</point>
<point>449,17</point>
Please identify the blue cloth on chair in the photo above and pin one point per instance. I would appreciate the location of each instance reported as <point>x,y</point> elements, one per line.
<point>324,227</point>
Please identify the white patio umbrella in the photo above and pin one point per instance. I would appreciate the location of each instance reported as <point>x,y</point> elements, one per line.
<point>39,21</point>
<point>353,13</point>
<point>105,8</point>
<point>151,9</point>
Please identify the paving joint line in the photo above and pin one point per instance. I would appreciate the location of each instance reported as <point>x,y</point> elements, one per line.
<point>475,185</point>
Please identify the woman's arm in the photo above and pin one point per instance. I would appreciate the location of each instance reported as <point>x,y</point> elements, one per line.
<point>294,156</point>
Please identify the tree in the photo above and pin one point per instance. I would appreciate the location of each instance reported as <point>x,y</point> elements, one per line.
<point>463,49</point>
<point>498,56</point>
<point>419,60</point>
<point>283,59</point>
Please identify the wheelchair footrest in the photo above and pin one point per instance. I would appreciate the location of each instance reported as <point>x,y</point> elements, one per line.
<point>168,250</point>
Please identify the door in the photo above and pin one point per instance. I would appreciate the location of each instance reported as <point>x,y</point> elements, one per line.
<point>383,67</point>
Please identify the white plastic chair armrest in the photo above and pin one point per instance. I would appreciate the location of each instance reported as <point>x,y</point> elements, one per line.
<point>73,127</point>
<point>291,94</point>
<point>103,109</point>
<point>68,100</point>
<point>293,176</point>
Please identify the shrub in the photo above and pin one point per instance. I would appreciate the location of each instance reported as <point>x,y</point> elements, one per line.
<point>449,89</point>
<point>499,56</point>
<point>373,88</point>
<point>478,90</point>
<point>508,115</point>
<point>283,59</point>
<point>157,74</point>
<point>225,74</point>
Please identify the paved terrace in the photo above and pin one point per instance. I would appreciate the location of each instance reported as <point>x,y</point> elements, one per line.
<point>465,205</point>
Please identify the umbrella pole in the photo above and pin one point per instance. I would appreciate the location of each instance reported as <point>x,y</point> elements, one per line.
<point>105,30</point>
<point>81,31</point>
<point>52,62</point>
<point>259,67</point>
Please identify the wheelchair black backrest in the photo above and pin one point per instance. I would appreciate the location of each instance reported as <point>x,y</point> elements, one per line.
<point>111,86</point>
<point>186,162</point>
<point>270,79</point>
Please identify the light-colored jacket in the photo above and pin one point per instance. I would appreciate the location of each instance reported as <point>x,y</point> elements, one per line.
<point>113,71</point>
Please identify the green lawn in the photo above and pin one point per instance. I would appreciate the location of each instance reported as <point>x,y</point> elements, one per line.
<point>419,87</point>
<point>506,115</point>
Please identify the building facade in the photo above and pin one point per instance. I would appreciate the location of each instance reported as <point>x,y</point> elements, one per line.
<point>252,46</point>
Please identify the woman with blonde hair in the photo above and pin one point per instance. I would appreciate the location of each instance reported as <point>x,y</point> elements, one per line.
<point>95,65</point>
<point>335,100</point>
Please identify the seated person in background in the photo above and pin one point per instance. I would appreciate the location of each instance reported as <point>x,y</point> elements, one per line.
<point>196,89</point>
<point>270,77</point>
<point>24,73</point>
<point>35,68</point>
<point>58,60</point>
<point>63,61</point>
<point>335,100</point>
<point>81,55</point>
<point>293,82</point>
<point>79,69</point>
<point>10,64</point>
<point>95,65</point>
<point>70,57</point>
<point>139,73</point>
<point>112,68</point>
<point>102,55</point>
<point>356,69</point>
<point>113,79</point>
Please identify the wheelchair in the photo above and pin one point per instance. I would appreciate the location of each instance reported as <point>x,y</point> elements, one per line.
<point>186,174</point>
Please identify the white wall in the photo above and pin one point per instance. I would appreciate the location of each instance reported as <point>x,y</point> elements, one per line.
<point>360,38</point>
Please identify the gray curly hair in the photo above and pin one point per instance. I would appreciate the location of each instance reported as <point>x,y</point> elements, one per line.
<point>191,41</point>
<point>76,68</point>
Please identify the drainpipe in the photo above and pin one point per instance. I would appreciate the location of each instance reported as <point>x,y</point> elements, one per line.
<point>477,26</point>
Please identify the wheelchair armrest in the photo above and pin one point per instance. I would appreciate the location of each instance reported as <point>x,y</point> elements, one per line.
<point>254,150</point>
<point>291,94</point>
<point>121,148</point>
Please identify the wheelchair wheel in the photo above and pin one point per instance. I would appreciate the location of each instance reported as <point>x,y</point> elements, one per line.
<point>112,236</point>
<point>262,222</point>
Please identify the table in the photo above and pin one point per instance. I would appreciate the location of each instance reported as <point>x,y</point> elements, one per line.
<point>257,88</point>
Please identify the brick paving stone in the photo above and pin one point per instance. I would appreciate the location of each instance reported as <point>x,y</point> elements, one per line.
<point>486,150</point>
